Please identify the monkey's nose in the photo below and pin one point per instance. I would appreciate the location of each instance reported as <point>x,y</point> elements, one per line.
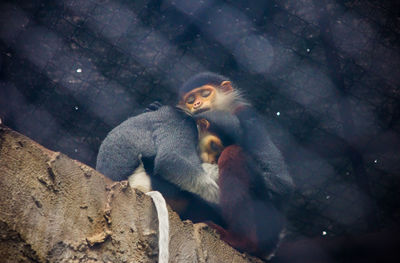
<point>197,104</point>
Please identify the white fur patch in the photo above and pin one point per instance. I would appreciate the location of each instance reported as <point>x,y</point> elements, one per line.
<point>211,170</point>
<point>229,101</point>
<point>140,179</point>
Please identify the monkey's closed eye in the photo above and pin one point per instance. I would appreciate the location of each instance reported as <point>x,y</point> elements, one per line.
<point>190,99</point>
<point>205,93</point>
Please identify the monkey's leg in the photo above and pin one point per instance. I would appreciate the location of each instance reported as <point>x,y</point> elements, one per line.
<point>117,157</point>
<point>254,225</point>
<point>235,201</point>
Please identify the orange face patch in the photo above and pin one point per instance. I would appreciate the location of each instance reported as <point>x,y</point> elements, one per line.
<point>199,99</point>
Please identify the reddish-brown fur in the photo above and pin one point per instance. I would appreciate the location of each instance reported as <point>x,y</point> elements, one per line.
<point>236,202</point>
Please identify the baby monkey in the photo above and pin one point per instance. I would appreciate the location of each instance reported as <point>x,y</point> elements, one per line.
<point>210,145</point>
<point>253,179</point>
<point>236,202</point>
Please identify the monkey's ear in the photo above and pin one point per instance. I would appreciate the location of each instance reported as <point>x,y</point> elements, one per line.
<point>203,124</point>
<point>226,86</point>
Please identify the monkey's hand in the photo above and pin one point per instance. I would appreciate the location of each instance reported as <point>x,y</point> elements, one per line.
<point>155,105</point>
<point>184,172</point>
<point>204,185</point>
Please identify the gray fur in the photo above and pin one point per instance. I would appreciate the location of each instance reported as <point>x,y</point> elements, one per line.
<point>170,138</point>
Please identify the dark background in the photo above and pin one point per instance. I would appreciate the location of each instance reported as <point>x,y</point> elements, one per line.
<point>325,74</point>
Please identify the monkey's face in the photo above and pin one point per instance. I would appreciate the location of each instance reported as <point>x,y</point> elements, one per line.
<point>206,97</point>
<point>210,147</point>
<point>200,99</point>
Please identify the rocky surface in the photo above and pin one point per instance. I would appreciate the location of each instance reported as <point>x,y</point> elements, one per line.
<point>55,209</point>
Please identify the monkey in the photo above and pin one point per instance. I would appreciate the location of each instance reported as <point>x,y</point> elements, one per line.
<point>165,140</point>
<point>240,208</point>
<point>253,178</point>
<point>214,97</point>
<point>210,146</point>
<point>156,151</point>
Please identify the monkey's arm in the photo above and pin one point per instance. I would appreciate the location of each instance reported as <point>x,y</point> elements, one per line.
<point>267,157</point>
<point>180,171</point>
<point>178,162</point>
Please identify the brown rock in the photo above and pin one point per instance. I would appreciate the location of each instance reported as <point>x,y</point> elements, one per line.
<point>54,209</point>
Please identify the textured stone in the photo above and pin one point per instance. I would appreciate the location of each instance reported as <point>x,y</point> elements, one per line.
<point>55,209</point>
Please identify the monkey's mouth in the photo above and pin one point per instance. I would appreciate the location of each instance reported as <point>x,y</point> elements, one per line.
<point>201,110</point>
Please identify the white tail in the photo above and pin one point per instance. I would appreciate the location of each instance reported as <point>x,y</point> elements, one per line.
<point>163,225</point>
